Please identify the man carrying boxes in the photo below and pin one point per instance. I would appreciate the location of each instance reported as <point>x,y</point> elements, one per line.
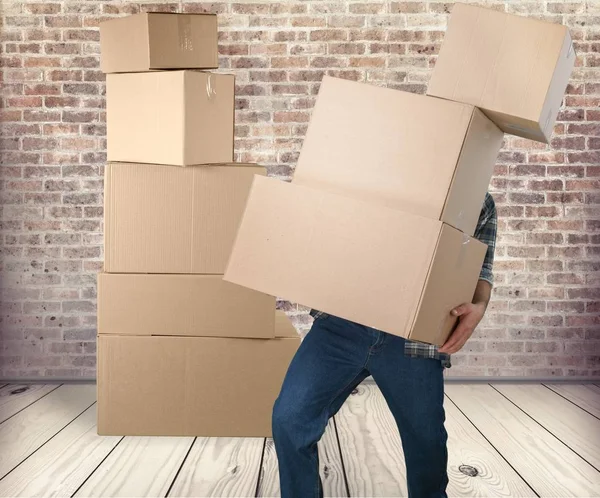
<point>375,233</point>
<point>180,351</point>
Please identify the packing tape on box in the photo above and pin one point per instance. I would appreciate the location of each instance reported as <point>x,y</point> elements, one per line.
<point>211,92</point>
<point>184,30</point>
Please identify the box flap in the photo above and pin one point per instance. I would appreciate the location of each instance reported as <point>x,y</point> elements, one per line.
<point>284,327</point>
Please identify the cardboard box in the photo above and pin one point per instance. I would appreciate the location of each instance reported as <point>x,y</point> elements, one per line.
<point>515,69</point>
<point>157,40</point>
<point>162,219</point>
<point>170,117</point>
<point>381,267</point>
<point>192,386</point>
<point>423,155</point>
<point>183,305</point>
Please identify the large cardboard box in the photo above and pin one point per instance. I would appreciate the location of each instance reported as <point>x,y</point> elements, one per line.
<point>182,305</point>
<point>157,40</point>
<point>381,267</point>
<point>423,155</point>
<point>170,117</point>
<point>163,219</point>
<point>192,386</point>
<point>515,69</point>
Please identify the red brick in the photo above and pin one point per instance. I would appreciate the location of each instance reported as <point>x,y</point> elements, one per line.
<point>62,75</point>
<point>580,185</point>
<point>81,35</point>
<point>42,8</point>
<point>528,170</point>
<point>328,35</point>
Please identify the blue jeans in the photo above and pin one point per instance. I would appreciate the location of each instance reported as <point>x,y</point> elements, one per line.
<point>332,360</point>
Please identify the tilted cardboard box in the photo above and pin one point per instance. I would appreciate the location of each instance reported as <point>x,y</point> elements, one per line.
<point>182,305</point>
<point>163,219</point>
<point>158,40</point>
<point>170,117</point>
<point>192,386</point>
<point>515,69</point>
<point>374,265</point>
<point>423,155</point>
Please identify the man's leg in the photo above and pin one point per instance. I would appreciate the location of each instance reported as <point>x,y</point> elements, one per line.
<point>329,364</point>
<point>414,391</point>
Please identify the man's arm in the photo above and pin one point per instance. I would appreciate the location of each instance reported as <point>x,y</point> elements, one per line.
<point>469,315</point>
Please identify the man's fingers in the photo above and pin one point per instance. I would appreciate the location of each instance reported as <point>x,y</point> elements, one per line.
<point>460,310</point>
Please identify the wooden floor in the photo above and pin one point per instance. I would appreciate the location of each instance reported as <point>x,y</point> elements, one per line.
<point>516,440</point>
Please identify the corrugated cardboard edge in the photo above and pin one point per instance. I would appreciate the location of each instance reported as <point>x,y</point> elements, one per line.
<point>558,86</point>
<point>415,312</point>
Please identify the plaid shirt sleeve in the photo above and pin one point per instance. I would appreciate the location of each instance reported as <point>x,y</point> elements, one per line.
<point>485,231</point>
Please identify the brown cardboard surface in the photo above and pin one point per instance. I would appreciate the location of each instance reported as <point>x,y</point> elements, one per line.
<point>457,259</point>
<point>157,40</point>
<point>191,386</point>
<point>353,259</point>
<point>515,69</point>
<point>170,117</point>
<point>182,305</point>
<point>164,219</point>
<point>399,150</point>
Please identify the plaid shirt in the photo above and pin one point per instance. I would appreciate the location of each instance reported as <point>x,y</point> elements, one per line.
<point>486,233</point>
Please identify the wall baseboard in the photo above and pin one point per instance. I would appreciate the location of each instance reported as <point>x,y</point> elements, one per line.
<point>449,380</point>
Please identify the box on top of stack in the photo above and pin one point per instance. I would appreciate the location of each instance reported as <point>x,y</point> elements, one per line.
<point>389,186</point>
<point>158,40</point>
<point>514,68</point>
<point>178,347</point>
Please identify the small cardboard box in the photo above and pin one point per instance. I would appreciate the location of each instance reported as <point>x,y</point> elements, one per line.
<point>192,386</point>
<point>163,219</point>
<point>419,154</point>
<point>380,267</point>
<point>515,69</point>
<point>170,117</point>
<point>182,305</point>
<point>157,40</point>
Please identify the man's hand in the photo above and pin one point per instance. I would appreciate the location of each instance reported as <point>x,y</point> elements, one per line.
<point>469,315</point>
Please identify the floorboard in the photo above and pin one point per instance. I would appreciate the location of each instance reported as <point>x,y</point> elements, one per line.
<point>470,453</point>
<point>576,428</point>
<point>138,466</point>
<point>370,445</point>
<point>61,465</point>
<point>220,467</point>
<point>545,463</point>
<point>22,434</point>
<point>15,398</point>
<point>330,467</point>
<point>585,396</point>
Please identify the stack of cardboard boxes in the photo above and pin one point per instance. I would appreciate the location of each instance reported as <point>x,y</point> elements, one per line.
<point>180,351</point>
<point>377,225</point>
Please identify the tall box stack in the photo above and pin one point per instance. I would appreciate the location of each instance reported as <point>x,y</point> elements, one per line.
<point>377,225</point>
<point>180,350</point>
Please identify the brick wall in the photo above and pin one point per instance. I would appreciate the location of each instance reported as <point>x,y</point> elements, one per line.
<point>544,320</point>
